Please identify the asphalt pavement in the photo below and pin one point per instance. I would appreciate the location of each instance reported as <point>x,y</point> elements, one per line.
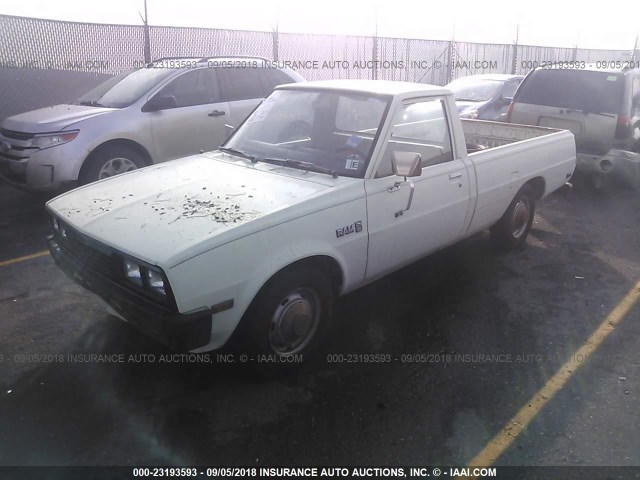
<point>463,339</point>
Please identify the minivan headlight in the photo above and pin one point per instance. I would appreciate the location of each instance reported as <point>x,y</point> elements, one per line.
<point>47,140</point>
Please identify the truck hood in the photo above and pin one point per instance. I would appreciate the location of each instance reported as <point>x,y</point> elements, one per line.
<point>52,119</point>
<point>165,214</point>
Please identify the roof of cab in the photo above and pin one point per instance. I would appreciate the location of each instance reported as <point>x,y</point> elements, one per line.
<point>377,87</point>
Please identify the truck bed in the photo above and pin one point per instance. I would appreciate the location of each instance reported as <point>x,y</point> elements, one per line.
<point>481,135</point>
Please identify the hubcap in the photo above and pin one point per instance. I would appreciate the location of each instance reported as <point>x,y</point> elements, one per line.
<point>116,166</point>
<point>520,218</point>
<point>295,321</point>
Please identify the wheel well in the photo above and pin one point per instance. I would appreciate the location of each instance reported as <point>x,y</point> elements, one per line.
<point>538,186</point>
<point>328,264</point>
<point>118,141</point>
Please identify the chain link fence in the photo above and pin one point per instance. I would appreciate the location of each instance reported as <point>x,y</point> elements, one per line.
<point>85,53</point>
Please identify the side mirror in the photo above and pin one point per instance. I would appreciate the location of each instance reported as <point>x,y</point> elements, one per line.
<point>406,164</point>
<point>160,102</point>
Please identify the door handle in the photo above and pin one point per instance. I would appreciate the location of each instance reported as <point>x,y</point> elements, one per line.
<point>217,113</point>
<point>453,176</point>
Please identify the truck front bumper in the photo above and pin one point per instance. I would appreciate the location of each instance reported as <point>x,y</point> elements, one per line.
<point>618,165</point>
<point>179,331</point>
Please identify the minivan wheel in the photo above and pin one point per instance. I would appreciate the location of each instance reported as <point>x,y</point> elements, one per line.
<point>512,229</point>
<point>290,315</point>
<point>109,162</point>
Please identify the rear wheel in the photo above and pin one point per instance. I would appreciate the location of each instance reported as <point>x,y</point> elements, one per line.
<point>290,314</point>
<point>512,229</point>
<point>110,161</point>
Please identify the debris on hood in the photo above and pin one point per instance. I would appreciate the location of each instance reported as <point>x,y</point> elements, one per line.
<point>221,209</point>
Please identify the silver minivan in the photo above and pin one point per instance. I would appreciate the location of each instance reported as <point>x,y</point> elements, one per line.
<point>172,108</point>
<point>601,107</point>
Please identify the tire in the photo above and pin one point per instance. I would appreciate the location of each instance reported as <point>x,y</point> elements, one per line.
<point>299,297</point>
<point>110,161</point>
<point>510,233</point>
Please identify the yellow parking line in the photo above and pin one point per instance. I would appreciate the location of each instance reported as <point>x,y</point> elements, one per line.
<point>22,259</point>
<point>517,424</point>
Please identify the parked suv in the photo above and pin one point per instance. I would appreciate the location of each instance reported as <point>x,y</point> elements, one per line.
<point>171,109</point>
<point>601,107</point>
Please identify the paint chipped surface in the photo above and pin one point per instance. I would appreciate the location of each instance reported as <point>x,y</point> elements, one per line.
<point>161,212</point>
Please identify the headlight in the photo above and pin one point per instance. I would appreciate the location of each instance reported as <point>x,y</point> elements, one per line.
<point>156,282</point>
<point>132,272</point>
<point>150,279</point>
<point>472,114</point>
<point>47,140</point>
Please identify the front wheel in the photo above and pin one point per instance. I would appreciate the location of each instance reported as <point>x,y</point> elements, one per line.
<point>512,229</point>
<point>110,161</point>
<point>290,314</point>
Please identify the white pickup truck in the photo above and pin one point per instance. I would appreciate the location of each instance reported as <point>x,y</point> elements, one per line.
<point>326,187</point>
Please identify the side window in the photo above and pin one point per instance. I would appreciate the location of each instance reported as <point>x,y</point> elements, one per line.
<point>421,128</point>
<point>196,87</point>
<point>510,88</point>
<point>240,84</point>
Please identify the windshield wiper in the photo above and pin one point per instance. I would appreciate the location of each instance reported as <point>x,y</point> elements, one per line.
<point>238,153</point>
<point>301,164</point>
<point>457,99</point>
<point>91,103</point>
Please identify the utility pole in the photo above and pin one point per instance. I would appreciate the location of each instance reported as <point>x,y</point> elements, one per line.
<point>147,41</point>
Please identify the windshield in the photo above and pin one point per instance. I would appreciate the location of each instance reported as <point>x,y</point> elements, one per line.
<point>332,131</point>
<point>474,89</point>
<point>586,90</point>
<point>124,89</point>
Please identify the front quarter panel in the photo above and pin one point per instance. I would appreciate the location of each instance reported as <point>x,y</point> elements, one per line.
<point>238,270</point>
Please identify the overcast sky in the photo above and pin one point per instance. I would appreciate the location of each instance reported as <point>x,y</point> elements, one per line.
<point>614,25</point>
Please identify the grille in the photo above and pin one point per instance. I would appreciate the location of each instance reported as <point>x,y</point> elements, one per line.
<point>16,135</point>
<point>91,258</point>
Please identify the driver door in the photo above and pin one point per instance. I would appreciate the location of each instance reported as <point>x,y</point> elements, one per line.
<point>405,226</point>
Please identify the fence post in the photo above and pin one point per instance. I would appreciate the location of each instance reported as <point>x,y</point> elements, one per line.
<point>514,60</point>
<point>276,44</point>
<point>449,53</point>
<point>145,32</point>
<point>374,68</point>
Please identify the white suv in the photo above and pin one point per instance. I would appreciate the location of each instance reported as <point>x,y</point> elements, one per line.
<point>173,108</point>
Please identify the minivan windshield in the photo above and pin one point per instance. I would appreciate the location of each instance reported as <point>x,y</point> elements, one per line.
<point>474,89</point>
<point>317,130</point>
<point>586,90</point>
<point>124,89</point>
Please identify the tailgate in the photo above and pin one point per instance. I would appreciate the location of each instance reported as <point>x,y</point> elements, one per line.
<point>585,102</point>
